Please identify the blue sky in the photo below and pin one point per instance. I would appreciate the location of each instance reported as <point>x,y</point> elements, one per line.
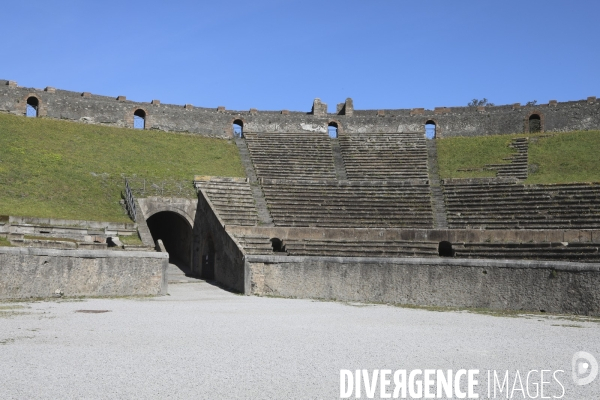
<point>275,54</point>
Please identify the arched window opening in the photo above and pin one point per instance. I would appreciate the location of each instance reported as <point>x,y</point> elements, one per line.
<point>430,128</point>
<point>332,129</point>
<point>445,249</point>
<point>33,105</point>
<point>277,245</point>
<point>139,119</point>
<point>238,128</point>
<point>535,123</point>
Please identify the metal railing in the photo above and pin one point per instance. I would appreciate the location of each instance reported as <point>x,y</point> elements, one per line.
<point>142,187</point>
<point>130,201</point>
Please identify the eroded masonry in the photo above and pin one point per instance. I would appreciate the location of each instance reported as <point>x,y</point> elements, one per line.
<point>359,213</point>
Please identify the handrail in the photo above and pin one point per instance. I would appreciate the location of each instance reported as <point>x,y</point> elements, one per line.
<point>130,201</point>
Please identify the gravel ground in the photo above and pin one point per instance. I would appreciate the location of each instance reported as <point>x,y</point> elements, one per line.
<point>203,342</point>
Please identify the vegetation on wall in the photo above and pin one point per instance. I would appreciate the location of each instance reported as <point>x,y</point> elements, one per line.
<point>60,169</point>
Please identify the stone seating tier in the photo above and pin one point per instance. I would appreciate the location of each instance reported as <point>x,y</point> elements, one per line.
<point>384,155</point>
<point>514,206</point>
<point>349,248</point>
<point>231,198</point>
<point>562,251</point>
<point>582,252</point>
<point>349,203</point>
<point>255,244</point>
<point>291,155</point>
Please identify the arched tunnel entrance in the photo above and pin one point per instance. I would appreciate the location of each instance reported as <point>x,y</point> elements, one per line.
<point>176,234</point>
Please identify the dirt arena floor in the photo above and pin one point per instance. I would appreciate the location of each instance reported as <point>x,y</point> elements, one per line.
<point>201,342</point>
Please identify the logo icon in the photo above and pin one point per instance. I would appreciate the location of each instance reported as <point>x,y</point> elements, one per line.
<point>584,368</point>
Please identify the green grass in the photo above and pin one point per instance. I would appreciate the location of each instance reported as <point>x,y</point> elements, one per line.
<point>68,170</point>
<point>471,153</point>
<point>131,240</point>
<point>566,157</point>
<point>4,242</point>
<point>560,158</point>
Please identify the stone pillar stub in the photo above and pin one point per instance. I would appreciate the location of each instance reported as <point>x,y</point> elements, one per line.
<point>349,107</point>
<point>319,108</point>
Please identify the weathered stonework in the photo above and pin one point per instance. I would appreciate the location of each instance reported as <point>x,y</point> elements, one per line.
<point>35,272</point>
<point>494,284</point>
<point>217,122</point>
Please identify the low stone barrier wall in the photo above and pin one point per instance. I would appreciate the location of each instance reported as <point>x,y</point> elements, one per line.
<point>34,272</point>
<point>436,235</point>
<point>557,287</point>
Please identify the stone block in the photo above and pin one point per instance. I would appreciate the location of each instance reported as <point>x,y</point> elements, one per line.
<point>526,236</point>
<point>50,89</point>
<point>571,236</point>
<point>188,107</point>
<point>86,94</point>
<point>552,103</point>
<point>380,113</point>
<point>407,235</point>
<point>421,234</point>
<point>253,111</point>
<point>591,99</point>
<point>417,111</point>
<point>219,108</point>
<point>155,102</point>
<point>121,98</point>
<point>438,235</point>
<point>285,112</point>
<point>554,236</point>
<point>11,84</point>
<point>538,236</point>
<point>585,236</point>
<point>516,106</point>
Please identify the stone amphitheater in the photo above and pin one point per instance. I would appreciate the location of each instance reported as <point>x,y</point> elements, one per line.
<point>361,214</point>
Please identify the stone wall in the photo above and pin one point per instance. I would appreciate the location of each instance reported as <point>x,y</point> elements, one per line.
<point>210,237</point>
<point>436,235</point>
<point>556,287</point>
<point>34,272</point>
<point>217,122</point>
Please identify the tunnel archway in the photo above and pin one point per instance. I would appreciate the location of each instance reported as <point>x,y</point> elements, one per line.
<point>445,249</point>
<point>176,233</point>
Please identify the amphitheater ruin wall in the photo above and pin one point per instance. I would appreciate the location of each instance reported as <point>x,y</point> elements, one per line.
<point>218,122</point>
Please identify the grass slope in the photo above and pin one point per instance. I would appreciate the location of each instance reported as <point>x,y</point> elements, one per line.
<point>565,157</point>
<point>558,158</point>
<point>68,170</point>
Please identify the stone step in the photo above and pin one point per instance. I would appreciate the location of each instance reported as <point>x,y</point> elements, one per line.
<point>360,253</point>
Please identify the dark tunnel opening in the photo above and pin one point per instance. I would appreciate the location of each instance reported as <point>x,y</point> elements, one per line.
<point>445,249</point>
<point>176,234</point>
